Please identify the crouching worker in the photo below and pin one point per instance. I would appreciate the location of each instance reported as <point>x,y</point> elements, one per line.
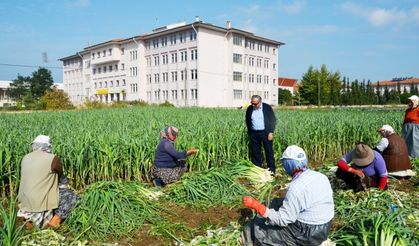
<point>44,199</point>
<point>368,169</point>
<point>394,151</point>
<point>303,217</point>
<point>169,164</point>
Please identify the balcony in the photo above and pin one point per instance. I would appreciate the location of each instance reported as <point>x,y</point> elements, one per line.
<point>106,59</point>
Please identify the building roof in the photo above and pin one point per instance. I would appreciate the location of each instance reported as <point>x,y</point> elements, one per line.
<point>5,83</point>
<point>404,81</point>
<point>287,82</point>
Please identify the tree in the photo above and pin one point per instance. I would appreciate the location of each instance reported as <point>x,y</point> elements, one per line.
<point>19,88</point>
<point>321,86</point>
<point>40,82</point>
<point>284,96</point>
<point>56,99</point>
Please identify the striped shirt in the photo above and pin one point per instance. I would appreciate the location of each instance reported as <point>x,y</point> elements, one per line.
<point>309,200</point>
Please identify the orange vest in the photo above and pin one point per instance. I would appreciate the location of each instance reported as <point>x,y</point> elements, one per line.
<point>411,116</point>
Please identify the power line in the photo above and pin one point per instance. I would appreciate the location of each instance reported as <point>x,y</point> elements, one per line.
<point>20,65</point>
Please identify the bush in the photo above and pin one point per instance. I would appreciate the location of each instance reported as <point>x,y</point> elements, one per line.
<point>166,104</point>
<point>140,103</point>
<point>55,99</point>
<point>94,104</point>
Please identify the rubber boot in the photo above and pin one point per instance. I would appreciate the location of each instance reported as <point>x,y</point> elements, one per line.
<point>54,222</point>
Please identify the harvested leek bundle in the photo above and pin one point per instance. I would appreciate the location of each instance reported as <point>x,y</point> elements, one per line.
<point>228,236</point>
<point>112,208</point>
<point>206,189</point>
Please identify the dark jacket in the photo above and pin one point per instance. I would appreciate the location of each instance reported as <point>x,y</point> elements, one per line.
<point>268,117</point>
<point>166,155</point>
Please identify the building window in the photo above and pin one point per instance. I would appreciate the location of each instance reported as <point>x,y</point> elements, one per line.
<point>94,70</point>
<point>174,76</point>
<point>156,60</point>
<point>148,60</point>
<point>164,41</point>
<point>104,53</point>
<point>194,74</point>
<point>194,54</point>
<point>165,59</point>
<point>237,94</point>
<point>155,43</point>
<point>109,52</point>
<point>274,81</point>
<point>183,56</point>
<point>147,46</point>
<point>117,83</point>
<point>122,66</point>
<point>182,37</point>
<point>259,46</point>
<point>259,62</point>
<point>95,85</point>
<point>111,83</point>
<point>122,51</point>
<point>173,39</point>
<point>266,48</point>
<point>104,69</point>
<point>194,94</point>
<point>174,94</point>
<point>156,78</point>
<point>110,68</point>
<point>274,66</point>
<point>165,77</point>
<point>149,78</point>
<point>237,76</point>
<point>174,57</point>
<point>237,40</point>
<point>93,56</point>
<point>237,58</point>
<point>183,75</point>
<point>99,70</point>
<point>192,35</point>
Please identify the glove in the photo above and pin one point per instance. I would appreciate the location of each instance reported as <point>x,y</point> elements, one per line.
<point>252,203</point>
<point>357,172</point>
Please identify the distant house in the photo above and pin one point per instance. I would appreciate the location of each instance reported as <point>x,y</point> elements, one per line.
<point>288,84</point>
<point>405,84</point>
<point>4,98</point>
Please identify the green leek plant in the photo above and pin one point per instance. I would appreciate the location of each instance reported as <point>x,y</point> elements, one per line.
<point>10,234</point>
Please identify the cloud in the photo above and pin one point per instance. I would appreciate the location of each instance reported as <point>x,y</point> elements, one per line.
<point>292,8</point>
<point>79,3</point>
<point>381,17</point>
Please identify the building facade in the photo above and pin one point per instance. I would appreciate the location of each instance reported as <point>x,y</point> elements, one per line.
<point>195,64</point>
<point>404,84</point>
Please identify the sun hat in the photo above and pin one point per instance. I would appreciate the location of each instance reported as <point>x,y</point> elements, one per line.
<point>362,155</point>
<point>42,139</point>
<point>414,98</point>
<point>387,128</point>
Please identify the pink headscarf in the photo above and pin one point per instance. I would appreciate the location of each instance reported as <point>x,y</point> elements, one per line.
<point>169,132</point>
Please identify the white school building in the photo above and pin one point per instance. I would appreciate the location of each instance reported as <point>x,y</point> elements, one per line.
<point>195,64</point>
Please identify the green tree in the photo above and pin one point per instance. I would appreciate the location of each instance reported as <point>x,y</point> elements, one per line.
<point>41,81</point>
<point>19,88</point>
<point>284,96</point>
<point>321,86</point>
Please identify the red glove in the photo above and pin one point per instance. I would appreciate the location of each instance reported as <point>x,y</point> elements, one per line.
<point>382,183</point>
<point>252,203</point>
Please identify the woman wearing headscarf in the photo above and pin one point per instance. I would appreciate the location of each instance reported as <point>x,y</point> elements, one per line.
<point>368,168</point>
<point>411,127</point>
<point>169,164</point>
<point>394,151</point>
<point>44,199</point>
<point>303,217</point>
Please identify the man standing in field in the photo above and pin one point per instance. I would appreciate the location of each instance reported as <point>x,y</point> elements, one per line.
<point>260,122</point>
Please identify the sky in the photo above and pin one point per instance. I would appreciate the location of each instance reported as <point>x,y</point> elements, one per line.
<point>365,40</point>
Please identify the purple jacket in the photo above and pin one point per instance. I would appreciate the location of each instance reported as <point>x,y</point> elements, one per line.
<point>376,168</point>
<point>166,155</point>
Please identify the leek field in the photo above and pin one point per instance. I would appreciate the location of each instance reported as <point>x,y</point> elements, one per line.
<point>107,155</point>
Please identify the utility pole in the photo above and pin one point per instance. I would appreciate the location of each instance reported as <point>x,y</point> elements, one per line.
<point>318,90</point>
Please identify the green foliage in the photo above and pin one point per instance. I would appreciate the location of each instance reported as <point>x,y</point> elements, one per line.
<point>166,104</point>
<point>56,99</point>
<point>19,87</point>
<point>321,86</point>
<point>112,209</point>
<point>94,104</point>
<point>284,97</point>
<point>10,234</point>
<point>40,82</point>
